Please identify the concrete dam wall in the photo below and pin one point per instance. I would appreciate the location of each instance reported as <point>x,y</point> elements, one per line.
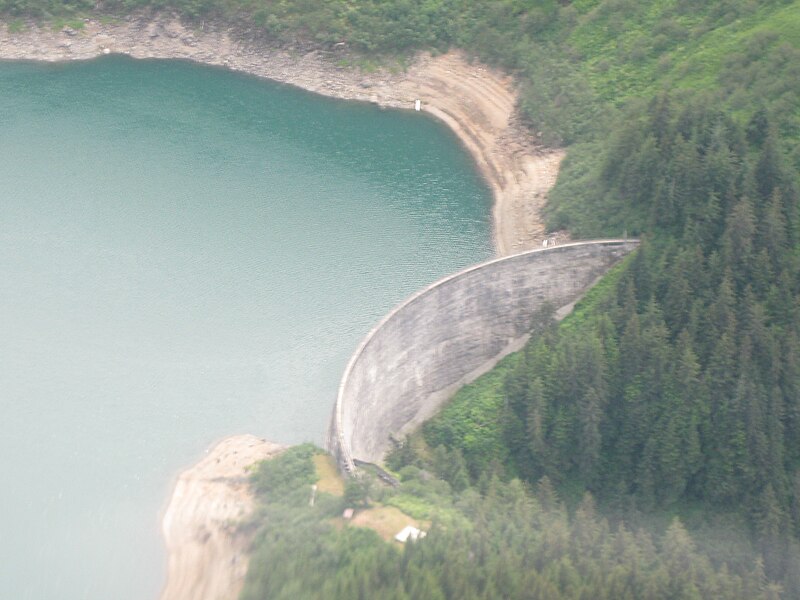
<point>450,333</point>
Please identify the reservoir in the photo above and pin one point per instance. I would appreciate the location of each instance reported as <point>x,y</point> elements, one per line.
<point>187,253</point>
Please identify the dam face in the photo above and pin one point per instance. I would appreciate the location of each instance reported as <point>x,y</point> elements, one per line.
<point>450,333</point>
<point>188,252</point>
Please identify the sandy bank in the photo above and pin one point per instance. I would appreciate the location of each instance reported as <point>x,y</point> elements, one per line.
<point>207,555</point>
<point>476,102</point>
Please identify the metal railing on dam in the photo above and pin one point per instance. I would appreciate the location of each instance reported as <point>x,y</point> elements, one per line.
<point>449,334</point>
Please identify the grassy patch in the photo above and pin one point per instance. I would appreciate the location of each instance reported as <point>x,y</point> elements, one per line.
<point>329,482</point>
<point>413,505</point>
<point>470,421</point>
<point>386,521</point>
<point>59,23</point>
<point>16,26</point>
<point>587,307</point>
<point>108,20</point>
<point>286,479</point>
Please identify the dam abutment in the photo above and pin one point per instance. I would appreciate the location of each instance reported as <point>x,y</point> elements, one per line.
<point>450,333</point>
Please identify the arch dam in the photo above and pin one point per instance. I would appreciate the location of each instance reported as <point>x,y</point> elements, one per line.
<point>450,333</point>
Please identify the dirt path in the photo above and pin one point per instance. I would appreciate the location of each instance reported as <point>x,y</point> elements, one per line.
<point>476,102</point>
<point>207,555</point>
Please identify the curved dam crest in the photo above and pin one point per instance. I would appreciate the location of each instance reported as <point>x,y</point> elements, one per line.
<point>449,334</point>
<point>188,253</point>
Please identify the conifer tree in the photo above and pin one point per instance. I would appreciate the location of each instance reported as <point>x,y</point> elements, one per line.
<point>590,413</point>
<point>537,410</point>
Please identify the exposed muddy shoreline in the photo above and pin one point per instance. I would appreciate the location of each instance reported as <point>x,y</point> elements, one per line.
<point>207,551</point>
<point>476,102</point>
<point>207,557</point>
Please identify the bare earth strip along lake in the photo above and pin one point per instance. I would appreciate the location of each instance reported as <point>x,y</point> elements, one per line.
<point>188,253</point>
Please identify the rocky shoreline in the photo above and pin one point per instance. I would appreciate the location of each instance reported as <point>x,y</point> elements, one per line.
<point>476,102</point>
<point>207,557</point>
<point>207,551</point>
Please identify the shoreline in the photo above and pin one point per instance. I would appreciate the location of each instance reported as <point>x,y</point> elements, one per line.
<point>207,557</point>
<point>476,102</point>
<point>207,553</point>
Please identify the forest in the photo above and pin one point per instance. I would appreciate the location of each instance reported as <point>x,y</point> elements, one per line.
<point>674,386</point>
<point>494,540</point>
<point>673,390</point>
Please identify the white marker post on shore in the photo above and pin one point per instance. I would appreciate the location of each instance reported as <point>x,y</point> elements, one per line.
<point>313,494</point>
<point>417,105</point>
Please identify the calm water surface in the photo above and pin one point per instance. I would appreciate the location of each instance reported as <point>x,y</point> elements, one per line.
<point>187,253</point>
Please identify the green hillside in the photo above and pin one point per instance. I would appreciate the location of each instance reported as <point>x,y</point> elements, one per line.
<point>578,61</point>
<point>675,387</point>
<point>498,540</point>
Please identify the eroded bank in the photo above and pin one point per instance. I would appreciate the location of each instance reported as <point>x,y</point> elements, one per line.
<point>476,102</point>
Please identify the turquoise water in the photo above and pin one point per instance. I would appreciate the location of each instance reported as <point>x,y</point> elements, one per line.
<point>188,253</point>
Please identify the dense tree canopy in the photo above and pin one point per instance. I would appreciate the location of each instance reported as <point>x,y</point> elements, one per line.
<point>509,543</point>
<point>675,387</point>
<point>577,61</point>
<point>676,383</point>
